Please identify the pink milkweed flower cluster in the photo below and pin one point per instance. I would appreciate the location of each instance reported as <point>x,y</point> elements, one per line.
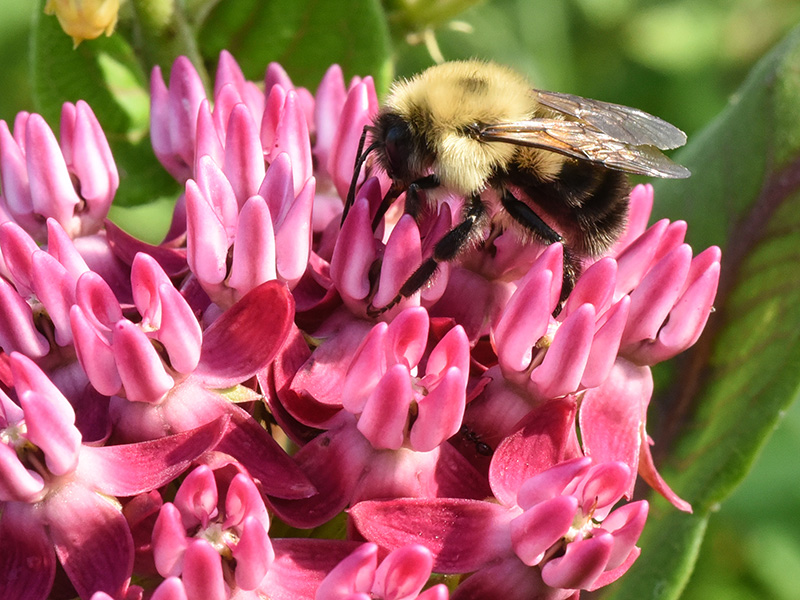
<point>172,414</point>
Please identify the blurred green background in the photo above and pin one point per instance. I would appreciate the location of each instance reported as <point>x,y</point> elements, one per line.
<point>679,59</point>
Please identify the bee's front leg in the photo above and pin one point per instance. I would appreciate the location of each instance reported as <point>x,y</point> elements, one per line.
<point>445,250</point>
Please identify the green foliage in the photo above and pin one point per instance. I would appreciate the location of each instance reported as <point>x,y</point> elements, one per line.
<point>305,36</point>
<point>745,372</point>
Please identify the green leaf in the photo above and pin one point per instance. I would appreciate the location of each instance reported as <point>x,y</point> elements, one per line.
<point>740,378</point>
<point>304,36</point>
<point>106,74</point>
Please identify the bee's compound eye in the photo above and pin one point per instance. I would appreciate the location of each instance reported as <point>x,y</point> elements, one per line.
<point>398,145</point>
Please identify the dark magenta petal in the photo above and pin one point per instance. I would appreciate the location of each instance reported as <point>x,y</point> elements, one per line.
<point>509,580</point>
<point>126,247</point>
<point>334,461</point>
<point>648,471</point>
<point>26,552</point>
<point>247,336</point>
<point>130,469</point>
<point>463,535</point>
<point>300,565</point>
<point>92,540</point>
<point>541,442</point>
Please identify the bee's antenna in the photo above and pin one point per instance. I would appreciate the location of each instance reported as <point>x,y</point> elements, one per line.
<point>360,158</point>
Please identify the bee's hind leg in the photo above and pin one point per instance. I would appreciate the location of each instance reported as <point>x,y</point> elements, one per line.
<point>445,250</point>
<point>533,223</point>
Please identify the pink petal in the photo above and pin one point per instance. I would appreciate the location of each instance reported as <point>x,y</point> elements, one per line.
<point>169,541</point>
<point>354,574</point>
<point>209,145</point>
<point>541,526</point>
<point>581,564</point>
<point>648,471</point>
<point>206,240</point>
<point>595,286</point>
<point>94,354</point>
<point>254,249</point>
<point>61,247</point>
<point>51,427</point>
<point>55,288</point>
<point>244,161</point>
<point>605,345</point>
<point>385,415</point>
<point>407,337</point>
<point>186,94</point>
<point>402,256</point>
<point>202,572</point>
<point>655,296</point>
<point>140,368</point>
<point>170,589</point>
<point>603,487</point>
<point>18,484</point>
<point>17,330</point>
<point>196,498</point>
<point>52,192</point>
<point>93,165</point>
<point>526,317</point>
<point>355,249</point>
<point>14,173</point>
<point>552,482</point>
<point>95,550</point>
<point>253,554</point>
<point>357,112</point>
<point>17,248</point>
<point>293,237</point>
<point>330,96</point>
<point>625,524</point>
<point>562,368</point>
<point>291,136</point>
<point>440,412</point>
<point>403,573</point>
<point>242,501</point>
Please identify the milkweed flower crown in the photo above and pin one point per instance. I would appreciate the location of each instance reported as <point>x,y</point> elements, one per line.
<point>153,390</point>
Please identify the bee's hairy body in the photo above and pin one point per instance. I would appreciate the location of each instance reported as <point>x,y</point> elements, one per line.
<point>456,127</point>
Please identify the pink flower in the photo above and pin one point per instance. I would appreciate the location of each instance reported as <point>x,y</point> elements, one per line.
<point>37,173</point>
<point>215,548</point>
<point>400,576</point>
<point>396,408</point>
<point>553,532</point>
<point>49,476</point>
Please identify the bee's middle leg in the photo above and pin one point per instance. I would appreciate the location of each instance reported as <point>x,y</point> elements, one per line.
<point>525,216</point>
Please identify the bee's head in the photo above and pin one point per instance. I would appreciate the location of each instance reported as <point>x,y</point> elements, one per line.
<point>400,149</point>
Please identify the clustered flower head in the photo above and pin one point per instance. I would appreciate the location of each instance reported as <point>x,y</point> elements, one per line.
<point>162,407</point>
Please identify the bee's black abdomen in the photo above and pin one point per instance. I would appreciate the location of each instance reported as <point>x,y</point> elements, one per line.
<point>589,201</point>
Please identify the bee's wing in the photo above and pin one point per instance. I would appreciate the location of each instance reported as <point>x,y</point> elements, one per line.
<point>581,140</point>
<point>623,123</point>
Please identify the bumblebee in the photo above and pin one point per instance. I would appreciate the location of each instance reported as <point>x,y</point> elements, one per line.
<point>551,164</point>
